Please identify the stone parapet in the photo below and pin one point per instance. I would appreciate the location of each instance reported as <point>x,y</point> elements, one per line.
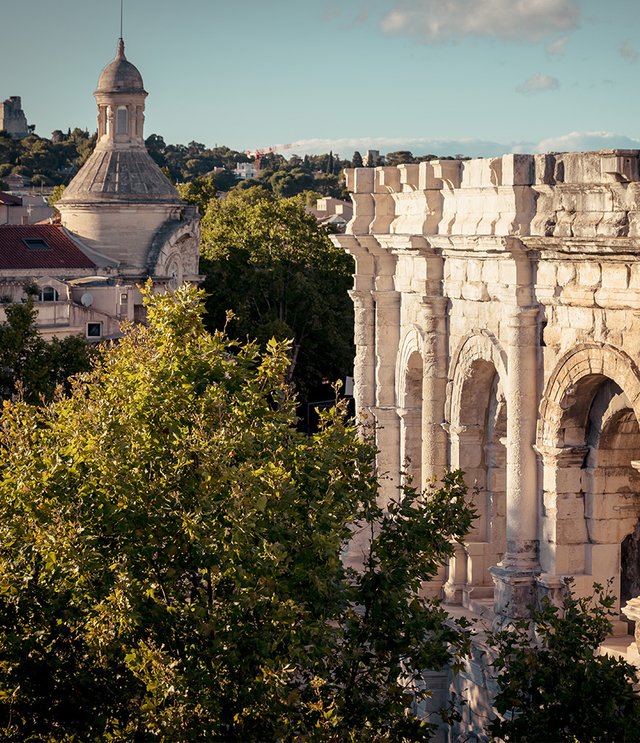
<point>567,195</point>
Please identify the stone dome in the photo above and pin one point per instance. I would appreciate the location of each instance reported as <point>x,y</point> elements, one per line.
<point>120,76</point>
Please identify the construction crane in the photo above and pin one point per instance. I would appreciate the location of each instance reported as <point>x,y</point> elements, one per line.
<point>258,154</point>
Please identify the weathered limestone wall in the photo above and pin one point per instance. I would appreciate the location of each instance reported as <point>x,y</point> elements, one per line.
<point>498,330</point>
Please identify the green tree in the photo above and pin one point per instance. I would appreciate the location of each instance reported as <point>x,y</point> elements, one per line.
<point>56,194</point>
<point>356,160</point>
<point>199,192</point>
<point>31,365</point>
<point>267,260</point>
<point>553,686</point>
<point>399,157</point>
<point>170,563</point>
<point>224,178</point>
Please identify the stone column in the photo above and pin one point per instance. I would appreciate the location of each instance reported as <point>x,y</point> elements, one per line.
<point>102,121</point>
<point>466,568</point>
<point>434,387</point>
<point>467,454</point>
<point>111,123</point>
<point>364,363</point>
<point>387,337</point>
<point>632,611</point>
<point>455,585</point>
<point>514,576</point>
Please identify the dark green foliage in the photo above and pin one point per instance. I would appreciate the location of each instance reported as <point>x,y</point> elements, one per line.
<point>29,363</point>
<point>199,192</point>
<point>356,160</point>
<point>557,688</point>
<point>188,162</point>
<point>399,157</point>
<point>267,261</point>
<point>46,161</point>
<point>170,556</point>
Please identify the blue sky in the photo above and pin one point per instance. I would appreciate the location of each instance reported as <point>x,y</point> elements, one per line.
<point>477,77</point>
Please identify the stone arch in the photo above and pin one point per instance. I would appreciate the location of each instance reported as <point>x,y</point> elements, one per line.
<point>589,437</point>
<point>476,413</point>
<point>596,360</point>
<point>410,344</point>
<point>475,346</point>
<point>175,238</point>
<point>410,373</point>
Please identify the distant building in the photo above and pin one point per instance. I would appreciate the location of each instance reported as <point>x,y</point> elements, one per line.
<point>332,213</point>
<point>246,170</point>
<point>373,158</point>
<point>12,118</point>
<point>122,222</point>
<point>23,208</point>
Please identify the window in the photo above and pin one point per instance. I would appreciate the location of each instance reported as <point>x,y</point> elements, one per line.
<point>174,273</point>
<point>48,294</point>
<point>139,313</point>
<point>122,120</point>
<point>35,243</point>
<point>94,330</point>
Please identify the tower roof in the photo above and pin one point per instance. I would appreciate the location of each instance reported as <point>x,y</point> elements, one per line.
<point>129,176</point>
<point>120,170</point>
<point>120,76</point>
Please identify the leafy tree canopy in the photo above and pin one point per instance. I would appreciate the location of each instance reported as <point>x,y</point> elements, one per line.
<point>269,262</point>
<point>50,161</point>
<point>31,365</point>
<point>356,160</point>
<point>199,192</point>
<point>170,564</point>
<point>555,686</point>
<point>399,157</point>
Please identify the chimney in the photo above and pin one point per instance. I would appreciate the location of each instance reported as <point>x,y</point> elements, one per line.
<point>25,219</point>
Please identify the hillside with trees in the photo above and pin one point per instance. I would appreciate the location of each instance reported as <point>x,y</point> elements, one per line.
<point>54,161</point>
<point>42,161</point>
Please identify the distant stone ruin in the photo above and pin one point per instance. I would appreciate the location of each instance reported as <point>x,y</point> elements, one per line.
<point>12,118</point>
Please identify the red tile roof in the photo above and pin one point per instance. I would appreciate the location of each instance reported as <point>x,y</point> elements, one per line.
<point>62,252</point>
<point>9,199</point>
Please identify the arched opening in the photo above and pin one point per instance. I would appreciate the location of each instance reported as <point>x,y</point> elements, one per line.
<point>477,439</point>
<point>48,294</point>
<point>122,120</point>
<point>612,499</point>
<point>592,488</point>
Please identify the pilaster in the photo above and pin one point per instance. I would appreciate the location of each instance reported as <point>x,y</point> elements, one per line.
<point>514,576</point>
<point>434,387</point>
<point>387,336</point>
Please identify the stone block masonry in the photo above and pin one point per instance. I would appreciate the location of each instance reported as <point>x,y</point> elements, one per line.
<point>509,288</point>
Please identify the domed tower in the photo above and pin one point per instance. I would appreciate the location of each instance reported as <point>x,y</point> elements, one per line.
<point>120,205</point>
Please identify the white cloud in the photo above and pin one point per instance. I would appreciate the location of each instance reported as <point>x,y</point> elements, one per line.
<point>628,51</point>
<point>518,20</point>
<point>418,145</point>
<point>556,48</point>
<point>571,142</point>
<point>538,83</point>
<point>587,141</point>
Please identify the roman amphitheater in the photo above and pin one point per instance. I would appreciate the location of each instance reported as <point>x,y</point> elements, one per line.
<point>498,330</point>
